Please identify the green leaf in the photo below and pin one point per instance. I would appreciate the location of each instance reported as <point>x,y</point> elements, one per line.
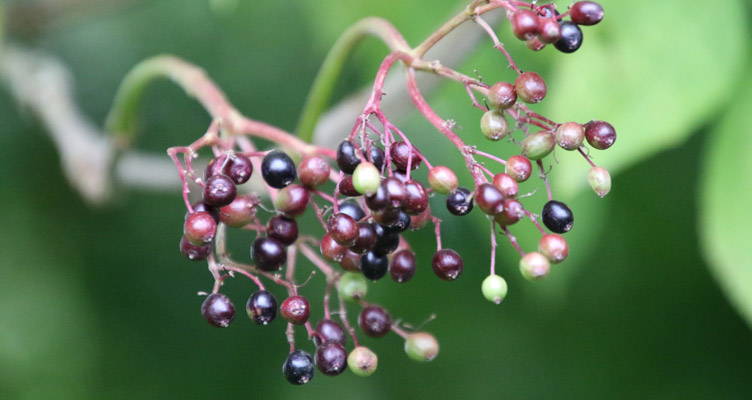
<point>726,200</point>
<point>657,70</point>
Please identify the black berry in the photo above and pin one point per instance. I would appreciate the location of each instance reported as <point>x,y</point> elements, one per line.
<point>347,157</point>
<point>219,191</point>
<point>298,367</point>
<point>331,358</point>
<point>373,265</point>
<point>375,321</point>
<point>557,217</point>
<point>261,307</point>
<point>571,38</point>
<point>218,310</point>
<point>460,202</point>
<point>268,253</point>
<point>447,264</point>
<point>277,169</point>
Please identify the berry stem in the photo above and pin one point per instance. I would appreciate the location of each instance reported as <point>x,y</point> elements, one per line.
<point>493,247</point>
<point>399,331</point>
<point>543,175</point>
<point>317,261</point>
<point>346,322</point>
<point>497,43</point>
<point>437,231</point>
<point>513,241</point>
<point>582,151</point>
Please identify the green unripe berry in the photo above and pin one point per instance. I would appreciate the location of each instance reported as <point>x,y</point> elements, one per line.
<point>442,179</point>
<point>493,125</point>
<point>362,361</point>
<point>366,178</point>
<point>538,145</point>
<point>570,135</point>
<point>534,266</point>
<point>600,181</point>
<point>352,286</point>
<point>421,346</point>
<point>494,288</point>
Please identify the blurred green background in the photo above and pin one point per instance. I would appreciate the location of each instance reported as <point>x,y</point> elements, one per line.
<point>97,302</point>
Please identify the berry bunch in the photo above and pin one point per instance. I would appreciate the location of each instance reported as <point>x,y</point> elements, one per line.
<point>367,192</point>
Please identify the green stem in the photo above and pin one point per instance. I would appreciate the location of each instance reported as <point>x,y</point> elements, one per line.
<point>328,75</point>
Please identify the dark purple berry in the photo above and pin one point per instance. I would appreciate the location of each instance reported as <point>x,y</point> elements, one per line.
<point>401,224</point>
<point>261,307</point>
<point>277,169</point>
<point>402,153</point>
<point>416,200</point>
<point>218,310</point>
<point>200,252</point>
<point>298,367</point>
<point>395,190</point>
<point>219,191</point>
<point>385,242</point>
<point>347,157</point>
<point>586,13</point>
<point>199,228</point>
<point>346,187</point>
<point>239,169</point>
<point>377,157</point>
<point>295,309</point>
<point>374,321</point>
<point>489,199</point>
<point>600,134</point>
<point>402,267</point>
<point>268,253</point>
<point>460,202</point>
<point>378,200</point>
<point>352,209</point>
<point>571,38</point>
<point>240,212</point>
<point>328,331</point>
<point>331,358</point>
<point>343,228</point>
<point>202,207</point>
<point>447,264</point>
<point>366,238</point>
<point>557,217</point>
<point>283,229</point>
<point>330,249</point>
<point>373,265</point>
<point>524,24</point>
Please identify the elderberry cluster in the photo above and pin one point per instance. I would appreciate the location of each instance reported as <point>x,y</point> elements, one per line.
<point>542,25</point>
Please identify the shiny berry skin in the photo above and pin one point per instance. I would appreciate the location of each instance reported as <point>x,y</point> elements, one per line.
<point>313,171</point>
<point>330,249</point>
<point>513,212</point>
<point>295,309</point>
<point>329,331</point>
<point>278,170</point>
<point>554,247</point>
<point>352,209</point>
<point>374,321</point>
<point>347,157</point>
<point>569,135</point>
<point>417,199</point>
<point>261,307</point>
<point>460,202</point>
<point>600,180</point>
<point>194,252</point>
<point>501,95</point>
<point>352,286</point>
<point>489,199</point>
<point>298,367</point>
<point>199,228</point>
<point>447,264</point>
<point>239,169</point>
<point>494,288</point>
<point>395,191</point>
<point>366,238</point>
<point>331,358</point>
<point>402,267</point>
<point>378,200</point>
<point>219,191</point>
<point>524,24</point>
<point>373,265</point>
<point>493,125</point>
<point>538,145</point>
<point>386,242</point>
<point>550,30</point>
<point>282,228</point>
<point>442,179</point>
<point>586,13</point>
<point>203,207</point>
<point>377,156</point>
<point>240,212</point>
<point>421,346</point>
<point>268,253</point>
<point>571,38</point>
<point>388,216</point>
<point>366,178</point>
<point>519,168</point>
<point>292,200</point>
<point>343,228</point>
<point>218,310</point>
<point>557,217</point>
<point>350,261</point>
<point>402,153</point>
<point>506,185</point>
<point>362,361</point>
<point>530,87</point>
<point>534,266</point>
<point>600,134</point>
<point>401,224</point>
<point>217,166</point>
<point>347,188</point>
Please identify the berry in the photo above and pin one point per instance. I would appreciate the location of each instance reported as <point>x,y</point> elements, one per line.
<point>194,252</point>
<point>493,125</point>
<point>421,346</point>
<point>402,267</point>
<point>202,207</point>
<point>199,228</point>
<point>373,265</point>
<point>519,168</point>
<point>554,247</point>
<point>550,30</point>
<point>534,266</point>
<point>501,95</point>
<point>352,286</point>
<point>298,367</point>
<point>586,13</point>
<point>346,187</point>
<point>362,361</point>
<point>489,199</point>
<point>282,228</point>
<point>352,209</point>
<point>447,264</point>
<point>295,309</point>
<point>494,288</point>
<point>366,238</point>
<point>292,200</point>
<point>401,224</point>
<point>239,169</point>
<point>347,157</point>
<point>442,179</point>
<point>569,135</point>
<point>416,200</point>
<point>343,228</point>
<point>313,171</point>
<point>350,261</point>
<point>513,212</point>
<point>278,169</point>
<point>524,24</point>
<point>387,216</point>
<point>600,181</point>
<point>377,156</point>
<point>219,191</point>
<point>402,154</point>
<point>329,331</point>
<point>460,202</point>
<point>261,307</point>
<point>240,212</point>
<point>330,249</point>
<point>374,321</point>
<point>557,217</point>
<point>218,310</point>
<point>217,166</point>
<point>268,253</point>
<point>386,242</point>
<point>395,192</point>
<point>378,200</point>
<point>530,87</point>
<point>600,134</point>
<point>366,178</point>
<point>331,359</point>
<point>571,38</point>
<point>506,185</point>
<point>538,145</point>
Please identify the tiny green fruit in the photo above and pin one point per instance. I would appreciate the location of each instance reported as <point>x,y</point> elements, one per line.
<point>494,288</point>
<point>600,181</point>
<point>534,266</point>
<point>352,286</point>
<point>538,145</point>
<point>494,126</point>
<point>366,178</point>
<point>421,346</point>
<point>362,361</point>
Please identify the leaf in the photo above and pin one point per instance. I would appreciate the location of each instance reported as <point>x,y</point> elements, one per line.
<point>726,204</point>
<point>656,70</point>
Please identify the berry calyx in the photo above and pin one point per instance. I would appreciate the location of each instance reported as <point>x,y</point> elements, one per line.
<point>352,286</point>
<point>530,87</point>
<point>600,134</point>
<point>489,199</point>
<point>402,267</point>
<point>362,361</point>
<point>447,264</point>
<point>282,228</point>
<point>554,247</point>
<point>600,180</point>
<point>219,191</point>
<point>493,125</point>
<point>268,253</point>
<point>218,310</point>
<point>534,266</point>
<point>442,179</point>
<point>460,202</point>
<point>278,169</point>
<point>292,200</point>
<point>240,212</point>
<point>494,288</point>
<point>366,178</point>
<point>374,321</point>
<point>261,307</point>
<point>586,13</point>
<point>331,358</point>
<point>347,157</point>
<point>194,252</point>
<point>199,228</point>
<point>329,331</point>
<point>296,310</point>
<point>313,171</point>
<point>519,168</point>
<point>570,135</point>
<point>501,95</point>
<point>538,145</point>
<point>374,265</point>
<point>298,367</point>
<point>524,24</point>
<point>557,217</point>
<point>421,346</point>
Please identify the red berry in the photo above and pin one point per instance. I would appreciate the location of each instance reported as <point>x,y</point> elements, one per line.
<point>199,228</point>
<point>240,212</point>
<point>506,185</point>
<point>295,309</point>
<point>375,321</point>
<point>194,252</point>
<point>586,13</point>
<point>447,264</point>
<point>292,200</point>
<point>513,212</point>
<point>554,247</point>
<point>600,134</point>
<point>313,171</point>
<point>530,87</point>
<point>330,249</point>
<point>519,168</point>
<point>343,228</point>
<point>524,24</point>
<point>501,95</point>
<point>489,199</point>
<point>416,200</point>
